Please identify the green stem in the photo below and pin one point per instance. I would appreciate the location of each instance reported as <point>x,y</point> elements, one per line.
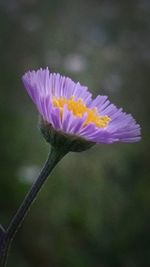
<point>53,158</point>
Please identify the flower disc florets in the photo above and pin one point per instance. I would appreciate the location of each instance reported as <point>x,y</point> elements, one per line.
<point>68,110</point>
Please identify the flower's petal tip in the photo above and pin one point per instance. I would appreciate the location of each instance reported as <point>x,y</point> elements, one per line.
<point>25,79</point>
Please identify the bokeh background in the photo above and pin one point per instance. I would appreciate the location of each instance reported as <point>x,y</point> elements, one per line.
<point>95,209</point>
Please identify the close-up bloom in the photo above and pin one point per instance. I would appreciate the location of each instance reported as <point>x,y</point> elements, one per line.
<point>68,107</point>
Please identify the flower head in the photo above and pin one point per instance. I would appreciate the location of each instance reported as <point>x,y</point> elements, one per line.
<point>68,108</point>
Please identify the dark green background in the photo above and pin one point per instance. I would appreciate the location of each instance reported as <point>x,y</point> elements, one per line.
<point>95,209</point>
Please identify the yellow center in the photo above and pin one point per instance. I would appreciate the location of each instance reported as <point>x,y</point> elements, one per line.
<point>79,108</point>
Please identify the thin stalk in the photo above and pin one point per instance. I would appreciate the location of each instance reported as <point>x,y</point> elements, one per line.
<point>8,235</point>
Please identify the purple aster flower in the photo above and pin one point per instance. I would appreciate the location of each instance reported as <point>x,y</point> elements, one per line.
<point>68,107</point>
<point>71,121</point>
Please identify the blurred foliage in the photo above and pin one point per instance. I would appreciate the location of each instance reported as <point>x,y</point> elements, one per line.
<point>94,210</point>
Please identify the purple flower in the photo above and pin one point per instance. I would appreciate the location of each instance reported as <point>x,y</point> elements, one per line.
<point>69,108</point>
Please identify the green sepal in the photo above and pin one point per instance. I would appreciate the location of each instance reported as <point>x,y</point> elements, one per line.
<point>63,141</point>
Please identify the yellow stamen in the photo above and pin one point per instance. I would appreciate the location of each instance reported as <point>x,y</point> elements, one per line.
<point>79,108</point>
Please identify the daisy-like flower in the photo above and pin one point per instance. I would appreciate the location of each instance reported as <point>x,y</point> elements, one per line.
<point>67,108</point>
<point>70,121</point>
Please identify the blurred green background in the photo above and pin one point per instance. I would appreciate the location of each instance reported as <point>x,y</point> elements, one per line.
<point>94,211</point>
